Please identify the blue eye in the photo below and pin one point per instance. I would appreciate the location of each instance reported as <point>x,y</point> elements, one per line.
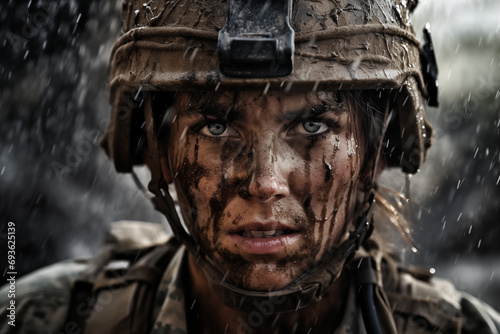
<point>312,126</point>
<point>216,129</point>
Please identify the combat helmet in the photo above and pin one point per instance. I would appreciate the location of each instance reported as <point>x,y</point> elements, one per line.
<point>185,45</point>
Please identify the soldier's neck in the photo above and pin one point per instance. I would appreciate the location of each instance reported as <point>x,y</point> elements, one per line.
<point>206,312</point>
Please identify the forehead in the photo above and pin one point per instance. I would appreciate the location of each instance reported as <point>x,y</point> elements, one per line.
<point>245,104</point>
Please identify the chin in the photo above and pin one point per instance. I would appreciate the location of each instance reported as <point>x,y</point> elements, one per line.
<point>263,277</point>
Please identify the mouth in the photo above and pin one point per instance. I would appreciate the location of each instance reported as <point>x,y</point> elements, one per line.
<point>264,238</point>
<point>265,234</point>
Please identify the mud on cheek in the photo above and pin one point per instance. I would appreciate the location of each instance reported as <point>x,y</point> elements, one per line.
<point>333,196</point>
<point>189,178</point>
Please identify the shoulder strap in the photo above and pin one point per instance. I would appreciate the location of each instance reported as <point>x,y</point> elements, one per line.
<point>117,295</point>
<point>424,304</point>
<point>124,303</point>
<point>407,299</point>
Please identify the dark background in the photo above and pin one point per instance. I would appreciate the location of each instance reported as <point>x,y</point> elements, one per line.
<point>57,186</point>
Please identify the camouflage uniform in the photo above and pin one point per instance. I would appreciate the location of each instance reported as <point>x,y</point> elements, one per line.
<point>408,302</point>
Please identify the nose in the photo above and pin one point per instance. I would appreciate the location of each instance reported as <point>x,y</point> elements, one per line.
<point>267,181</point>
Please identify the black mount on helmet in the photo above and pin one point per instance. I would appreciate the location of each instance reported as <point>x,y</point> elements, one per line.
<point>429,68</point>
<point>257,40</point>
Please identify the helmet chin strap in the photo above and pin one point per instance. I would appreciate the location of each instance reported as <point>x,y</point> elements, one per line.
<point>304,291</point>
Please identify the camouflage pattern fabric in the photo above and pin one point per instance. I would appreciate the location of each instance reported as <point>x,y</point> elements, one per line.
<point>42,300</point>
<point>170,299</point>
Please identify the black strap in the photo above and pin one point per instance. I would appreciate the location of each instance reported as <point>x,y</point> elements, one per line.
<point>79,306</point>
<point>366,280</point>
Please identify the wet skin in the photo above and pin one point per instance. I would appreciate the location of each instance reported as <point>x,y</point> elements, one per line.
<point>246,164</point>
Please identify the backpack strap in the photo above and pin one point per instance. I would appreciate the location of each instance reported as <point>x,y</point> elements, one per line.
<point>124,301</point>
<point>425,304</point>
<point>117,294</point>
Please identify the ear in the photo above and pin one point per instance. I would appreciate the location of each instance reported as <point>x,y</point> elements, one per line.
<point>368,175</point>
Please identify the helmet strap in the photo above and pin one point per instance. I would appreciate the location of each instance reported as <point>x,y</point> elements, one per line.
<point>162,199</point>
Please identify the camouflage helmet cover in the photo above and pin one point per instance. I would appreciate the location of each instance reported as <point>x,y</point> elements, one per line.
<point>339,45</point>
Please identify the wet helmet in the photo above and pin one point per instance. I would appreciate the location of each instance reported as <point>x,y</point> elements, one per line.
<point>187,45</point>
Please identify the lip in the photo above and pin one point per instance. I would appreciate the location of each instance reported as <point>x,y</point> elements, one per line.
<point>263,246</point>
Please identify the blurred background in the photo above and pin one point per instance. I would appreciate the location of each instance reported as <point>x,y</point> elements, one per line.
<point>59,189</point>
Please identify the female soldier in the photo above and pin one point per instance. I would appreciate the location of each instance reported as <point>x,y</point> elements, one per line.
<point>273,131</point>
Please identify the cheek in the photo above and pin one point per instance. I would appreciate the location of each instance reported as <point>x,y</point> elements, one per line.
<point>206,177</point>
<point>189,174</point>
<point>325,184</point>
<point>325,169</point>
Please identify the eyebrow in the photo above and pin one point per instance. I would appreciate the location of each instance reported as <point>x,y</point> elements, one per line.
<point>214,110</point>
<point>217,111</point>
<point>315,110</point>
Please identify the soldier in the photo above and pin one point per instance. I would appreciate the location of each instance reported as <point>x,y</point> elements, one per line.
<point>272,121</point>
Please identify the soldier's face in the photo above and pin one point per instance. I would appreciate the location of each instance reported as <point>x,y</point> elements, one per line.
<point>266,183</point>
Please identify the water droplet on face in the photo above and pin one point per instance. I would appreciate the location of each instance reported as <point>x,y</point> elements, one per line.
<point>351,146</point>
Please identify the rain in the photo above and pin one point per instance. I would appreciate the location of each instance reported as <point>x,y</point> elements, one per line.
<point>61,191</point>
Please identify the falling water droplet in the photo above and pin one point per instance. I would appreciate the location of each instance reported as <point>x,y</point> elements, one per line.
<point>266,89</point>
